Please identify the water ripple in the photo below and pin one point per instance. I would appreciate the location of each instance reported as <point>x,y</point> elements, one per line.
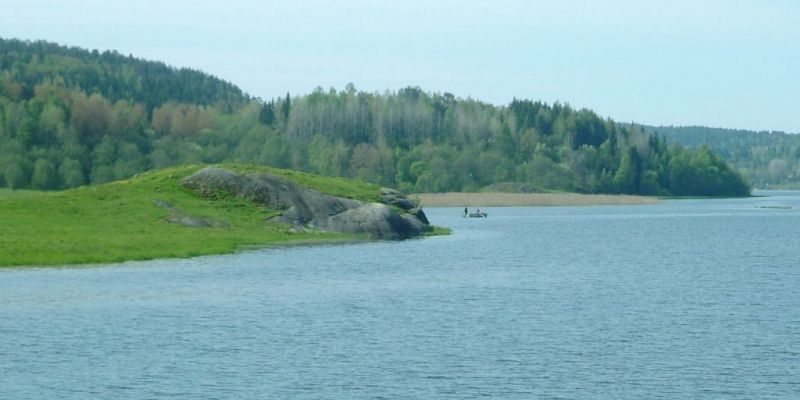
<point>695,299</point>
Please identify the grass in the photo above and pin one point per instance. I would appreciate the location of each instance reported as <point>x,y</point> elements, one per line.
<point>439,231</point>
<point>340,187</point>
<point>118,221</point>
<point>5,192</point>
<point>526,199</point>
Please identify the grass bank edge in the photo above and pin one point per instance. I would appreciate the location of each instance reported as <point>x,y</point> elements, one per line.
<point>119,221</point>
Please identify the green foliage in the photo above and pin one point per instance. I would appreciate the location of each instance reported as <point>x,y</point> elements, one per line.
<point>700,173</point>
<point>26,64</point>
<point>44,175</point>
<point>267,114</point>
<point>629,174</point>
<point>119,221</point>
<point>71,116</point>
<point>768,159</point>
<point>70,173</point>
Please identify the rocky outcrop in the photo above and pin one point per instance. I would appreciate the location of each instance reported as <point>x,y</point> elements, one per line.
<point>396,217</point>
<point>179,218</point>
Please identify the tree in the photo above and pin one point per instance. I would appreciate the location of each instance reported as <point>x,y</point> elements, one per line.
<point>103,157</point>
<point>543,172</point>
<point>287,107</point>
<point>649,184</point>
<point>103,116</point>
<point>275,152</point>
<point>129,161</point>
<point>16,172</point>
<point>161,121</point>
<point>71,174</point>
<point>628,176</point>
<point>44,175</point>
<point>267,114</point>
<point>90,116</point>
<point>127,120</point>
<point>365,163</point>
<point>52,120</point>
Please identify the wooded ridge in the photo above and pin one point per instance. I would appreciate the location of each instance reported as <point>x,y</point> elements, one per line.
<point>766,159</point>
<point>71,117</point>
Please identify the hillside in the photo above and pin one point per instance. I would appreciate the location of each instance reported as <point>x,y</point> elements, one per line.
<point>154,215</point>
<point>26,65</point>
<point>72,117</point>
<point>767,159</point>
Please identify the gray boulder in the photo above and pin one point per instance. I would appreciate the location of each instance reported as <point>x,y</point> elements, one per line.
<point>304,208</point>
<point>179,218</point>
<point>394,198</point>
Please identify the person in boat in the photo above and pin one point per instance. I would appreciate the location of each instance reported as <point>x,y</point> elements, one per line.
<point>478,211</point>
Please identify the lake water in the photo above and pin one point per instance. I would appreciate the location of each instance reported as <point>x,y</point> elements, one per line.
<point>685,299</point>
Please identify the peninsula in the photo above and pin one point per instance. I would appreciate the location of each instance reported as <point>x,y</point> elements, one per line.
<point>196,210</point>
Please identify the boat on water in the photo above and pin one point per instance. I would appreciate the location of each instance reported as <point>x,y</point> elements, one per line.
<point>477,214</point>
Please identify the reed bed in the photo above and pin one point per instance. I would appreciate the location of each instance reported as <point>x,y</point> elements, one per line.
<point>527,199</point>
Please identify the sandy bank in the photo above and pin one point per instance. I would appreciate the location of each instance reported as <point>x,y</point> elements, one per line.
<point>526,199</point>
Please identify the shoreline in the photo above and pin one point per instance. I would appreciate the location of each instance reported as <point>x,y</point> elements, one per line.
<point>335,239</point>
<point>496,199</point>
<point>127,221</point>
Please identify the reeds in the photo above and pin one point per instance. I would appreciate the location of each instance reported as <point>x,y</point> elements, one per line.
<point>527,199</point>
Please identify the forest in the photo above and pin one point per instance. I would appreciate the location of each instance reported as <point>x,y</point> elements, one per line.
<point>766,159</point>
<point>72,117</point>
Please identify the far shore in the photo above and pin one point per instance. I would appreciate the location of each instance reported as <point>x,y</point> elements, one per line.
<point>452,199</point>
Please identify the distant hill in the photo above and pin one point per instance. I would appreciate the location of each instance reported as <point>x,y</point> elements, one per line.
<point>26,64</point>
<point>71,117</point>
<point>767,159</point>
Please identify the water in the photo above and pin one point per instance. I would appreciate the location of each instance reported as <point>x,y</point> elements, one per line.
<point>686,299</point>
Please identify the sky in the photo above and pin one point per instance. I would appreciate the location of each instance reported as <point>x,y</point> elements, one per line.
<point>719,63</point>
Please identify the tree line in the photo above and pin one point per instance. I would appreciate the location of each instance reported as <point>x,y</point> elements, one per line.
<point>766,159</point>
<point>61,126</point>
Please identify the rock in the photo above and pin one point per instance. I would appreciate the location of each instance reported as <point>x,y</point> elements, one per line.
<point>420,215</point>
<point>179,218</point>
<point>379,220</point>
<point>394,198</point>
<point>187,220</point>
<point>165,205</point>
<point>303,207</point>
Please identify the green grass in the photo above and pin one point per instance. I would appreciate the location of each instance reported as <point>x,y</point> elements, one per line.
<point>5,192</point>
<point>118,221</point>
<point>341,187</point>
<point>439,231</point>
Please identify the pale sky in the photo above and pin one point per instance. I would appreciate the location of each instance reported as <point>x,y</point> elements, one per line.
<point>731,64</point>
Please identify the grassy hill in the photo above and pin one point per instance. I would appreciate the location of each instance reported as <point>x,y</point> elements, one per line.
<point>120,221</point>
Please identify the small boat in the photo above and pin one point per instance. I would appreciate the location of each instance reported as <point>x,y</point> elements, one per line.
<point>478,215</point>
